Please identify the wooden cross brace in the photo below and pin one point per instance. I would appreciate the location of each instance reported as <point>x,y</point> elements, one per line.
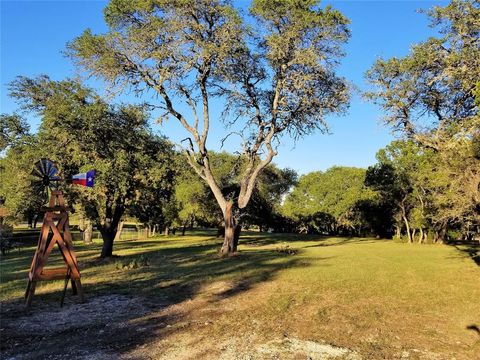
<point>54,233</point>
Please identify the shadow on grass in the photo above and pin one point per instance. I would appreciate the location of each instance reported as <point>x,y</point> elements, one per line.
<point>471,249</point>
<point>177,272</point>
<point>330,241</point>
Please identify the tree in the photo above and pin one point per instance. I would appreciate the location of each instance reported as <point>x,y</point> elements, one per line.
<point>273,78</point>
<point>398,177</point>
<point>79,131</point>
<point>196,202</point>
<point>326,201</point>
<point>13,129</point>
<point>273,185</point>
<point>16,193</point>
<point>193,201</point>
<point>431,97</point>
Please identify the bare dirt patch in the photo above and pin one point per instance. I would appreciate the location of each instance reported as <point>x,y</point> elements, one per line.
<point>95,330</point>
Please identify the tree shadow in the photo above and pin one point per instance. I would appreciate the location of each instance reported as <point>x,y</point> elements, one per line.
<point>133,314</point>
<point>468,248</point>
<point>343,241</point>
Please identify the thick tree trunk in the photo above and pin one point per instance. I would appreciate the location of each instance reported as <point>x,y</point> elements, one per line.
<point>107,248</point>
<point>88,233</point>
<point>184,227</point>
<point>109,230</point>
<point>230,241</point>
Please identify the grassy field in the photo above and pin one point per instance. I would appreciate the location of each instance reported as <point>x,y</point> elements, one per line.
<point>174,298</point>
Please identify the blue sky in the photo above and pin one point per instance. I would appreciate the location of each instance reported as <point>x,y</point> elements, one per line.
<point>34,33</point>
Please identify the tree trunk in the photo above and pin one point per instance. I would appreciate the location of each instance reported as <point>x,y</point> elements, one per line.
<point>230,241</point>
<point>88,233</point>
<point>398,232</point>
<point>414,231</point>
<point>119,231</point>
<point>184,227</point>
<point>407,227</point>
<point>109,229</point>
<point>420,239</point>
<point>107,249</point>
<point>167,230</point>
<point>442,235</point>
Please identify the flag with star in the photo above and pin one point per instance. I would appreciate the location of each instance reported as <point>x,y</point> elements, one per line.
<point>84,179</point>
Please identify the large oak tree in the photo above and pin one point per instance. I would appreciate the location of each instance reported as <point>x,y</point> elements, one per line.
<point>273,76</point>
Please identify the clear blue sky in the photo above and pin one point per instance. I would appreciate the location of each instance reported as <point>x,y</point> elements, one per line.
<point>33,34</point>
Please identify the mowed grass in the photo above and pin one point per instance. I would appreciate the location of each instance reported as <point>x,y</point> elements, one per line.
<point>377,297</point>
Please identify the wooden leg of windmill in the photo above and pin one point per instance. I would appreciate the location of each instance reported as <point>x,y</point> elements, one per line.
<point>79,287</point>
<point>28,288</point>
<point>31,292</point>
<point>74,288</point>
<point>67,279</point>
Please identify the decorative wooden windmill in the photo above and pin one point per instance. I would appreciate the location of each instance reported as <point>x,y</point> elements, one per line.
<point>55,230</point>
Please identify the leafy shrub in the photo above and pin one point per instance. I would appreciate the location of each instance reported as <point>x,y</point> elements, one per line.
<point>6,243</point>
<point>138,262</point>
<point>286,249</point>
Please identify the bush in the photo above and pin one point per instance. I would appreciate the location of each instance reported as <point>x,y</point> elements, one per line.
<point>286,249</point>
<point>135,263</point>
<point>6,243</point>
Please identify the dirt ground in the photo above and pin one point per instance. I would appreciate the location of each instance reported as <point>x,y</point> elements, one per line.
<point>121,327</point>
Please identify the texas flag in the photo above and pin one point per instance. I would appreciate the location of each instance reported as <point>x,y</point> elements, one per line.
<point>84,179</point>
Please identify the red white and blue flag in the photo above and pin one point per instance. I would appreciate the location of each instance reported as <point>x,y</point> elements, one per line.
<point>84,179</point>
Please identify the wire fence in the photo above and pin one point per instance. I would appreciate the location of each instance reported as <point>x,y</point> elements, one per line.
<point>31,236</point>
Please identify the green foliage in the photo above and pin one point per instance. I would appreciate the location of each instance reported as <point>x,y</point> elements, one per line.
<point>80,132</point>
<point>196,202</point>
<point>135,263</point>
<point>429,94</point>
<point>6,243</point>
<point>12,129</point>
<point>328,200</point>
<point>275,76</point>
<point>431,97</point>
<point>16,194</point>
<point>286,249</point>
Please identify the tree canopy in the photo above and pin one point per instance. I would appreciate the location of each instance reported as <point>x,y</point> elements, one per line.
<point>275,77</point>
<point>80,132</point>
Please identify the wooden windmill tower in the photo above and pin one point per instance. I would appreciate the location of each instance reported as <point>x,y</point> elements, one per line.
<point>55,230</point>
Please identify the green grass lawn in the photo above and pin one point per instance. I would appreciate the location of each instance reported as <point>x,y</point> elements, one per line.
<point>379,298</point>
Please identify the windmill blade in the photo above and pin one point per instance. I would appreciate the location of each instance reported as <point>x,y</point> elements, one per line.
<point>46,174</point>
<point>48,167</point>
<point>37,171</point>
<point>37,186</point>
<point>43,166</point>
<point>52,171</point>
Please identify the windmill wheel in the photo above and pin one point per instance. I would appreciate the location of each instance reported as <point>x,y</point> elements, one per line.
<point>45,174</point>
